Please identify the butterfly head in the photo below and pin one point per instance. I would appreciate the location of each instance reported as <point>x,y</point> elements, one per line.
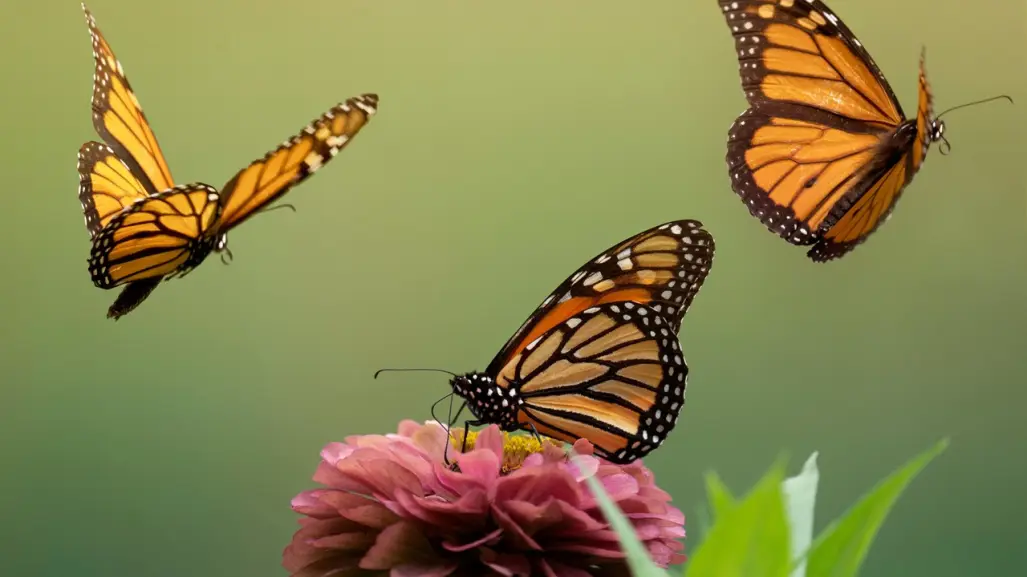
<point>936,130</point>
<point>221,247</point>
<point>487,401</point>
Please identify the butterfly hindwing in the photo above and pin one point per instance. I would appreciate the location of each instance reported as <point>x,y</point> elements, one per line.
<point>267,179</point>
<point>792,174</point>
<point>664,267</point>
<point>118,117</point>
<point>160,236</point>
<point>106,185</point>
<point>613,373</point>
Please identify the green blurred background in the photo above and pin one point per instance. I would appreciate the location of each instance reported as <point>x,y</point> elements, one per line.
<point>514,141</point>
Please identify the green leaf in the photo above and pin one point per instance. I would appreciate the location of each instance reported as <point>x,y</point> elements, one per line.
<point>721,499</point>
<point>750,538</point>
<point>841,549</point>
<point>800,494</point>
<point>638,557</point>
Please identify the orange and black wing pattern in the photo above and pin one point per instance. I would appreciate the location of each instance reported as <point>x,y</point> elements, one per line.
<point>106,185</point>
<point>899,161</point>
<point>161,236</point>
<point>663,267</point>
<point>613,373</point>
<point>266,180</point>
<point>824,131</point>
<point>119,120</point>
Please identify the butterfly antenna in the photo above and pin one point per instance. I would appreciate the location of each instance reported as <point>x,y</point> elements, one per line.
<point>975,103</point>
<point>226,256</point>
<point>380,371</point>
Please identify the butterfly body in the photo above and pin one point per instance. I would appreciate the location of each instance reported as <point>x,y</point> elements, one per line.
<point>142,226</point>
<point>600,358</point>
<point>824,151</point>
<point>487,401</point>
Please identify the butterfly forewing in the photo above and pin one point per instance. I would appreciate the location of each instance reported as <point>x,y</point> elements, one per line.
<point>161,235</point>
<point>664,267</point>
<point>106,185</point>
<point>267,179</point>
<point>613,374</point>
<point>118,118</point>
<point>800,52</point>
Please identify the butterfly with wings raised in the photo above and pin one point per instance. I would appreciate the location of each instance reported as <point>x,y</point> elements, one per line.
<point>600,358</point>
<point>143,227</point>
<point>824,151</point>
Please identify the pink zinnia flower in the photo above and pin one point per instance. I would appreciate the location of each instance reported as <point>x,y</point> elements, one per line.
<point>515,507</point>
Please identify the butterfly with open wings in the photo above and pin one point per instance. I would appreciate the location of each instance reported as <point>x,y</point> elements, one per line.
<point>824,151</point>
<point>600,358</point>
<point>144,228</point>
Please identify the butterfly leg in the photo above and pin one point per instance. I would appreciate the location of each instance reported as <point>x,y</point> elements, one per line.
<point>534,433</point>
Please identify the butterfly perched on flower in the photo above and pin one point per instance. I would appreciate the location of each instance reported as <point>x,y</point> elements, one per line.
<point>825,150</point>
<point>143,227</point>
<point>600,358</point>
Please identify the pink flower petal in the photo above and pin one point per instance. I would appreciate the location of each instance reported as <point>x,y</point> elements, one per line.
<point>538,484</point>
<point>432,440</point>
<point>467,514</point>
<point>329,476</point>
<point>452,483</point>
<point>514,533</point>
<point>409,427</point>
<point>583,447</point>
<point>332,453</point>
<point>620,487</point>
<point>309,503</point>
<point>345,541</point>
<point>533,460</point>
<point>488,539</point>
<point>490,439</point>
<point>401,544</point>
<point>382,476</point>
<point>480,465</point>
<point>583,467</point>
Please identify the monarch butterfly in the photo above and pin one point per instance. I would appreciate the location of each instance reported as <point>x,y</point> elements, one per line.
<point>143,228</point>
<point>600,358</point>
<point>824,151</point>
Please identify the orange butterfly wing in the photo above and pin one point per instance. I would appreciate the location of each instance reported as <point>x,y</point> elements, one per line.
<point>267,179</point>
<point>613,374</point>
<point>106,185</point>
<point>663,267</point>
<point>825,134</point>
<point>875,205</point>
<point>119,120</point>
<point>161,236</point>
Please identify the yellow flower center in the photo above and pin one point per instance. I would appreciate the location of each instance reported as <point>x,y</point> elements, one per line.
<point>516,448</point>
